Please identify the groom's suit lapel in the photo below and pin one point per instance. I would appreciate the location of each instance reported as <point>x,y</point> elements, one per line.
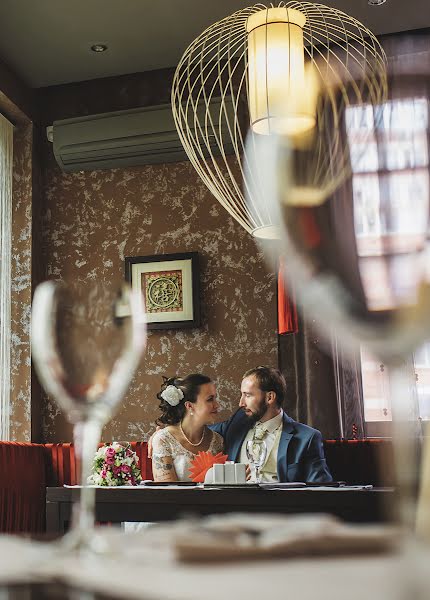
<point>237,445</point>
<point>286,435</point>
<point>237,441</point>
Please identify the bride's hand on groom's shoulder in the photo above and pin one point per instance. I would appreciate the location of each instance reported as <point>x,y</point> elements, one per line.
<point>150,440</point>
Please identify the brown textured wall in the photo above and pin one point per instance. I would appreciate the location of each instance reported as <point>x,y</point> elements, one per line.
<point>93,220</point>
<point>20,417</point>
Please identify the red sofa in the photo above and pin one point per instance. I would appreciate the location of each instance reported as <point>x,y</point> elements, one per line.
<point>25,472</point>
<point>27,469</point>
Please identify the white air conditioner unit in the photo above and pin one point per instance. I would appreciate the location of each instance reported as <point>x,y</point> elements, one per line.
<point>126,138</point>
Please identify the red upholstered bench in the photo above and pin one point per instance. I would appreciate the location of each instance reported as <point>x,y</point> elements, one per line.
<point>61,464</point>
<point>22,487</point>
<point>27,469</point>
<point>25,472</point>
<point>359,461</point>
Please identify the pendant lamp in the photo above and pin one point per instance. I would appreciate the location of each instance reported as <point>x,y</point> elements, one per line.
<point>291,69</point>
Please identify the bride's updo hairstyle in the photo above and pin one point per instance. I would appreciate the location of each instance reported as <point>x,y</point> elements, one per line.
<point>174,392</point>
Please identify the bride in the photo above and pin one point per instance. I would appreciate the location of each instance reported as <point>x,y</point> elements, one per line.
<point>187,406</point>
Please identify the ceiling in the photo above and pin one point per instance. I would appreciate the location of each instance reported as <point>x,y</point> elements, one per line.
<point>47,42</point>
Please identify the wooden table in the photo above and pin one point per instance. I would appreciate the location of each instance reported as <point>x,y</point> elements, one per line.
<point>162,504</point>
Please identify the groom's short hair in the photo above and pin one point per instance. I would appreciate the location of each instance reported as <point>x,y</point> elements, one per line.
<point>269,380</point>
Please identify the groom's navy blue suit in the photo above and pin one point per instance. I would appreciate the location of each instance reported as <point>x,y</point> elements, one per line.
<point>300,452</point>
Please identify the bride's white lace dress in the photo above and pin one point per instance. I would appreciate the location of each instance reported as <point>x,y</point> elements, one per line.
<point>165,444</point>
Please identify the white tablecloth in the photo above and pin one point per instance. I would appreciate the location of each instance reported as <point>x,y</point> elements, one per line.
<point>135,567</point>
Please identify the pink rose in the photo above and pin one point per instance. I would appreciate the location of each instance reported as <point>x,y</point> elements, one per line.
<point>125,469</point>
<point>103,474</point>
<point>109,460</point>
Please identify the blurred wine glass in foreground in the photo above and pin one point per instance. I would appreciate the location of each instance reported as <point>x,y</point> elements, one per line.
<point>358,256</point>
<point>87,340</point>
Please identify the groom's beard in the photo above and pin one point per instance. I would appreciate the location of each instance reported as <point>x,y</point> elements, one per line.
<point>257,413</point>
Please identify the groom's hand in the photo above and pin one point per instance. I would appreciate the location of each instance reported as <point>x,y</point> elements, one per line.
<point>150,441</point>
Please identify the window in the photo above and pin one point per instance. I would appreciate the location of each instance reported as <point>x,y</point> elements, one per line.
<point>422,375</point>
<point>389,162</point>
<point>376,391</point>
<point>392,162</point>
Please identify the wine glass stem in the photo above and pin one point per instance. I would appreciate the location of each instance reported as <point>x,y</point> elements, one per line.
<point>257,473</point>
<point>406,446</point>
<point>86,437</point>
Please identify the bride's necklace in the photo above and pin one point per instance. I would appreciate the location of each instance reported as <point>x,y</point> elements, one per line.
<point>191,443</point>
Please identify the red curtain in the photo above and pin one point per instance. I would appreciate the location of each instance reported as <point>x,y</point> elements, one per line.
<point>287,311</point>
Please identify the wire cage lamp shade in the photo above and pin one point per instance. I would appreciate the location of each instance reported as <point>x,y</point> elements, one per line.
<point>291,68</point>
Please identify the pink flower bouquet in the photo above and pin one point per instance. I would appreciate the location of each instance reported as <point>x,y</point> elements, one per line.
<point>114,464</point>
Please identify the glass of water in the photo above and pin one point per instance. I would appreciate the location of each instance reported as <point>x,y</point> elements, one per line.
<point>256,451</point>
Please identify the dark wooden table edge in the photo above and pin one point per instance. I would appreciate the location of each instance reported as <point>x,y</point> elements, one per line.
<point>358,505</point>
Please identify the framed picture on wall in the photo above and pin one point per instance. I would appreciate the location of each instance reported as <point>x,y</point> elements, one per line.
<point>170,285</point>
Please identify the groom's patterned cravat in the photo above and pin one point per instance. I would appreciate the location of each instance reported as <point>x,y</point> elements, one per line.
<point>270,431</point>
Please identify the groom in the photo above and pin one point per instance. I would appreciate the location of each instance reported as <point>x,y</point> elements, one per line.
<point>294,451</point>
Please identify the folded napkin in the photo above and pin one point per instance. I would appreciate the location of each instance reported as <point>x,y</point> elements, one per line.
<point>202,462</point>
<point>239,536</point>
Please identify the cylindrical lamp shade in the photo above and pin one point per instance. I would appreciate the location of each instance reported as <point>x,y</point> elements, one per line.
<point>276,72</point>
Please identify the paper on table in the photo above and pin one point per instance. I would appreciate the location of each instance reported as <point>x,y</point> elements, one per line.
<point>280,486</point>
<point>341,488</point>
<point>170,487</point>
<point>150,483</point>
<point>294,485</point>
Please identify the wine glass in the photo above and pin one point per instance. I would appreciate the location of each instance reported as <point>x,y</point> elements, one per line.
<point>87,340</point>
<point>256,451</point>
<point>357,257</point>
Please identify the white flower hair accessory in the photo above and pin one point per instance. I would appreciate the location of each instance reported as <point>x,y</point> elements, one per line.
<point>172,395</point>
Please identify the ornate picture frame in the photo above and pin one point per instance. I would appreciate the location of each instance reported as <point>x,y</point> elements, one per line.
<point>170,286</point>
